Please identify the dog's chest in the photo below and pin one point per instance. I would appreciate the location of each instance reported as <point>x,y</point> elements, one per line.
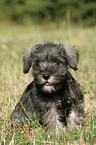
<point>50,115</point>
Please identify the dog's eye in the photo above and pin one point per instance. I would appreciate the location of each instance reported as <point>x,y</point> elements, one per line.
<point>58,62</point>
<point>36,62</point>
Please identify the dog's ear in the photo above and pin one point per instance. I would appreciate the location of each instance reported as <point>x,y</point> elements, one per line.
<point>71,56</point>
<point>28,59</point>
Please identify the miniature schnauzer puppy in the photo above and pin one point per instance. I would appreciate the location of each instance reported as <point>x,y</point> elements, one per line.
<point>53,97</point>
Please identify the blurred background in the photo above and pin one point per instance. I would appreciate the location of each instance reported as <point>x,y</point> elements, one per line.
<point>22,11</point>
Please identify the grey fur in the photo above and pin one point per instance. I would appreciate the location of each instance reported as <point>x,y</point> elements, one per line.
<point>53,97</point>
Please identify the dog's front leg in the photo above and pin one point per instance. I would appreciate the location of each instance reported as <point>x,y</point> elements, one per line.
<point>24,109</point>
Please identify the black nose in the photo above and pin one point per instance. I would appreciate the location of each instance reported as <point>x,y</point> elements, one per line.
<point>46,76</point>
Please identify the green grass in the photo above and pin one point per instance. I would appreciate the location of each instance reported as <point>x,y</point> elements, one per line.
<point>14,39</point>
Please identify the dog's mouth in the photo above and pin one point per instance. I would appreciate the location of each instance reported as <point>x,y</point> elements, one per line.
<point>47,84</point>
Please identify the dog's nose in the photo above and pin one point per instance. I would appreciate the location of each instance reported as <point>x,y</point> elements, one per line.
<point>46,76</point>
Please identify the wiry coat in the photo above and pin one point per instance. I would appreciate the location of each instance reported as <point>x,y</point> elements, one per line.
<point>53,98</point>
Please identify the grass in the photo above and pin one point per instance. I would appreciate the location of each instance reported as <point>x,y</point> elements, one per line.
<point>14,39</point>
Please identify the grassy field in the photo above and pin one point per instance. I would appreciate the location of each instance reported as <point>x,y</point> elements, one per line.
<point>14,39</point>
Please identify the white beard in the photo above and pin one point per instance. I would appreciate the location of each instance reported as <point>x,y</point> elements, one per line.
<point>48,85</point>
<point>48,89</point>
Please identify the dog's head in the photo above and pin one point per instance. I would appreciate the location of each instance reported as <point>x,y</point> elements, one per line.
<point>50,62</point>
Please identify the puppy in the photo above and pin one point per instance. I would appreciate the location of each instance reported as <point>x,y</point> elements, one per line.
<point>53,97</point>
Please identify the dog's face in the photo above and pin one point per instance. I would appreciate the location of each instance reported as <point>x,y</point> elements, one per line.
<point>49,69</point>
<point>49,62</point>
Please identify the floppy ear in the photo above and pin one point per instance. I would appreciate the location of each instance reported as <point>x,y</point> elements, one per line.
<point>28,59</point>
<point>71,56</point>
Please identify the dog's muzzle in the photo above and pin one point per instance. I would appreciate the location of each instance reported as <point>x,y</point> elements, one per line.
<point>46,76</point>
<point>49,83</point>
